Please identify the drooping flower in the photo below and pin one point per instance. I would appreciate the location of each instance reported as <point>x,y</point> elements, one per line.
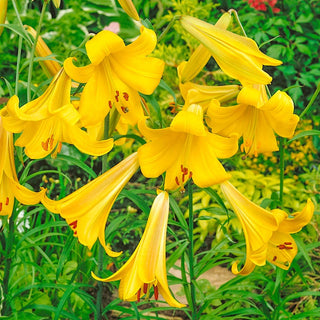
<point>10,187</point>
<point>146,268</point>
<point>115,76</point>
<point>267,233</point>
<point>129,8</point>
<point>49,66</point>
<point>48,121</point>
<point>238,56</point>
<point>87,209</point>
<point>256,118</point>
<point>186,149</point>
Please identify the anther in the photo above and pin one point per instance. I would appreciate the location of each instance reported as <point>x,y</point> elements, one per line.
<point>177,181</point>
<point>0,206</point>
<point>145,288</point>
<point>7,201</point>
<point>110,104</point>
<point>117,96</point>
<point>124,109</point>
<point>288,243</point>
<point>138,295</point>
<point>45,145</point>
<point>156,292</point>
<point>73,224</point>
<point>51,141</point>
<point>126,96</point>
<point>274,258</point>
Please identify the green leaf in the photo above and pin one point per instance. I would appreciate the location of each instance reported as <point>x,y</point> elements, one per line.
<point>19,31</point>
<point>305,134</point>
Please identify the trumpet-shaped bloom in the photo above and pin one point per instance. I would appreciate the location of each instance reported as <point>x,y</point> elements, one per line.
<point>10,187</point>
<point>238,56</point>
<point>116,73</point>
<point>255,118</point>
<point>267,233</point>
<point>186,149</point>
<point>146,267</point>
<point>87,209</point>
<point>193,93</point>
<point>48,121</point>
<point>50,66</point>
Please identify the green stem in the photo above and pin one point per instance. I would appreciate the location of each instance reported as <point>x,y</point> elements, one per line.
<point>313,98</point>
<point>8,261</point>
<point>168,27</point>
<point>16,89</point>
<point>33,49</point>
<point>190,253</point>
<point>281,150</point>
<point>101,251</point>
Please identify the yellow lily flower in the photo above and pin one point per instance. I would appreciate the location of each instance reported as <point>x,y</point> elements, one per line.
<point>129,8</point>
<point>238,56</point>
<point>146,268</point>
<point>50,66</point>
<point>267,233</point>
<point>115,75</point>
<point>193,93</point>
<point>186,149</point>
<point>48,121</point>
<point>87,209</point>
<point>3,13</point>
<point>10,187</point>
<point>255,118</point>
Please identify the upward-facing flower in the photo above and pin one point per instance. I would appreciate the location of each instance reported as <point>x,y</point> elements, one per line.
<point>48,121</point>
<point>87,209</point>
<point>267,233</point>
<point>10,187</point>
<point>186,149</point>
<point>238,56</point>
<point>146,268</point>
<point>256,118</point>
<point>115,76</point>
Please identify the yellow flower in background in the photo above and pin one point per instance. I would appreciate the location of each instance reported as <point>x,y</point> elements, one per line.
<point>256,118</point>
<point>185,150</point>
<point>87,209</point>
<point>49,66</point>
<point>10,187</point>
<point>3,13</point>
<point>267,233</point>
<point>115,76</point>
<point>193,93</point>
<point>146,268</point>
<point>129,8</point>
<point>238,56</point>
<point>48,121</point>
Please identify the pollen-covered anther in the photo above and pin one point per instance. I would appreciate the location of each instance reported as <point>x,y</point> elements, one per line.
<point>73,224</point>
<point>156,292</point>
<point>51,139</point>
<point>7,201</point>
<point>125,96</point>
<point>285,246</point>
<point>274,258</point>
<point>110,104</point>
<point>145,288</point>
<point>177,181</point>
<point>138,295</point>
<point>124,109</point>
<point>117,96</point>
<point>0,206</point>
